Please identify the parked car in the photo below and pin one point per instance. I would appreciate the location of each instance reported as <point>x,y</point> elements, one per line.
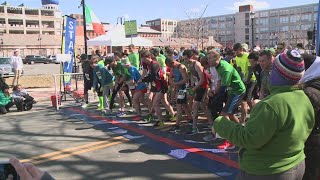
<point>31,59</point>
<point>53,59</point>
<point>5,67</point>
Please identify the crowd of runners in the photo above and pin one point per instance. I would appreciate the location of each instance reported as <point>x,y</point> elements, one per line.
<point>250,98</point>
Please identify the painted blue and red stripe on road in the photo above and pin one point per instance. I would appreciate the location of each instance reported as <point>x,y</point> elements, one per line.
<point>201,155</point>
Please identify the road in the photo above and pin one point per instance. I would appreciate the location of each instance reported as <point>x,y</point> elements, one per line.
<point>69,148</point>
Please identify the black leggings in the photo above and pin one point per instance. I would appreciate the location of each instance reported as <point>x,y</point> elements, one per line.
<point>5,109</point>
<point>114,94</point>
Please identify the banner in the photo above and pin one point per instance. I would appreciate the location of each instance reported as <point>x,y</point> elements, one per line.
<point>68,43</point>
<point>318,32</point>
<point>130,28</point>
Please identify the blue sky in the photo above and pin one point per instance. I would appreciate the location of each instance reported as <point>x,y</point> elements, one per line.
<point>142,10</point>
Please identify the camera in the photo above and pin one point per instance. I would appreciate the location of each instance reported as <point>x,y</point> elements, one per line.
<point>7,169</point>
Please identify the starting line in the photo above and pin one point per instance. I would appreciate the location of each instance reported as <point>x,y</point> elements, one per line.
<point>203,156</point>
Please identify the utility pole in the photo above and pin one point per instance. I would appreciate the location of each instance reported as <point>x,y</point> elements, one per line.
<point>39,39</point>
<point>84,26</point>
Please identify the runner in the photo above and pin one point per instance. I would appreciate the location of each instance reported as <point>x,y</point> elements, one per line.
<point>231,80</point>
<point>137,88</point>
<point>121,75</point>
<point>216,95</point>
<point>179,80</point>
<point>133,57</point>
<point>200,89</point>
<point>97,80</point>
<point>244,68</point>
<point>88,78</point>
<point>158,85</point>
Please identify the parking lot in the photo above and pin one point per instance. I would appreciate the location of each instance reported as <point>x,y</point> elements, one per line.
<point>41,69</point>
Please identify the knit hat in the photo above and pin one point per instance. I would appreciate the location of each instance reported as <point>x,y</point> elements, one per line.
<point>287,69</point>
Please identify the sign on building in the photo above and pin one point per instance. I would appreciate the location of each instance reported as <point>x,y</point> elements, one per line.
<point>130,28</point>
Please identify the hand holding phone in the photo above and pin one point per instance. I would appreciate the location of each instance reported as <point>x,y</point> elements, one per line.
<point>7,171</point>
<point>25,171</point>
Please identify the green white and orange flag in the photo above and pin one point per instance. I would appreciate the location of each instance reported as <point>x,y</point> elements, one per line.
<point>93,22</point>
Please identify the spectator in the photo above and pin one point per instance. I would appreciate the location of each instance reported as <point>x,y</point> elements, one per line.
<point>300,48</point>
<point>5,99</point>
<point>17,65</point>
<point>311,86</point>
<point>229,55</point>
<point>22,99</point>
<point>281,47</point>
<point>272,141</point>
<point>265,60</point>
<point>133,57</point>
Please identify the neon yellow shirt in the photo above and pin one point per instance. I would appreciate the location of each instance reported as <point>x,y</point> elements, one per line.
<point>244,63</point>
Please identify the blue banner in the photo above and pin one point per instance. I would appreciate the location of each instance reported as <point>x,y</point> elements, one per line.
<point>318,32</point>
<point>69,39</point>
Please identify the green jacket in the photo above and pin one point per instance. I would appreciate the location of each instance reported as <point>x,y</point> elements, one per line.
<point>4,99</point>
<point>272,140</point>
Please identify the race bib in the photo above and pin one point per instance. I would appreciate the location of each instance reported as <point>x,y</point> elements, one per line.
<point>132,87</point>
<point>181,94</point>
<point>87,76</point>
<point>99,75</point>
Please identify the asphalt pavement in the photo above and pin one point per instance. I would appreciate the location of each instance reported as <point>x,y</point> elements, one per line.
<point>69,148</point>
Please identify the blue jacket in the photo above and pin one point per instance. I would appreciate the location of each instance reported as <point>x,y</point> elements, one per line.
<point>97,77</point>
<point>107,77</point>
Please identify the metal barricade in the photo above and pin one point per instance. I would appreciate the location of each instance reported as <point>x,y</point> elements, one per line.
<point>73,91</point>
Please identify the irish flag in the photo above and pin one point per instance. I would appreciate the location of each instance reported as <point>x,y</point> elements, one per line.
<point>93,22</point>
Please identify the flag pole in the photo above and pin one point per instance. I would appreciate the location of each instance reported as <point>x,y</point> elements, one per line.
<point>84,27</point>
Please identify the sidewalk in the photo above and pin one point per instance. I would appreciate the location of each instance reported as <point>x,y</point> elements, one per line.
<point>41,94</point>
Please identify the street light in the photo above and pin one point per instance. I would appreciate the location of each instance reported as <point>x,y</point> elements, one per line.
<point>39,39</point>
<point>252,14</point>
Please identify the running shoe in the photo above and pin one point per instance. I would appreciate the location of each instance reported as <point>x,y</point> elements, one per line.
<point>158,123</point>
<point>131,110</point>
<point>173,118</point>
<point>175,128</point>
<point>210,137</point>
<point>121,114</point>
<point>193,131</point>
<point>148,117</point>
<point>84,106</point>
<point>226,145</point>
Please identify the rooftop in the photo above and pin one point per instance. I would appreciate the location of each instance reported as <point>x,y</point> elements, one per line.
<point>147,30</point>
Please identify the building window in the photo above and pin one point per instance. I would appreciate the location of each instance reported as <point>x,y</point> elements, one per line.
<point>306,27</point>
<point>284,28</point>
<point>306,17</point>
<point>157,23</point>
<point>247,37</point>
<point>274,20</point>
<point>284,20</point>
<point>307,9</point>
<point>247,30</point>
<point>294,18</point>
<point>247,23</point>
<point>264,14</point>
<point>274,13</point>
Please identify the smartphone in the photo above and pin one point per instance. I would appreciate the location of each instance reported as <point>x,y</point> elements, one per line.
<point>7,169</point>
